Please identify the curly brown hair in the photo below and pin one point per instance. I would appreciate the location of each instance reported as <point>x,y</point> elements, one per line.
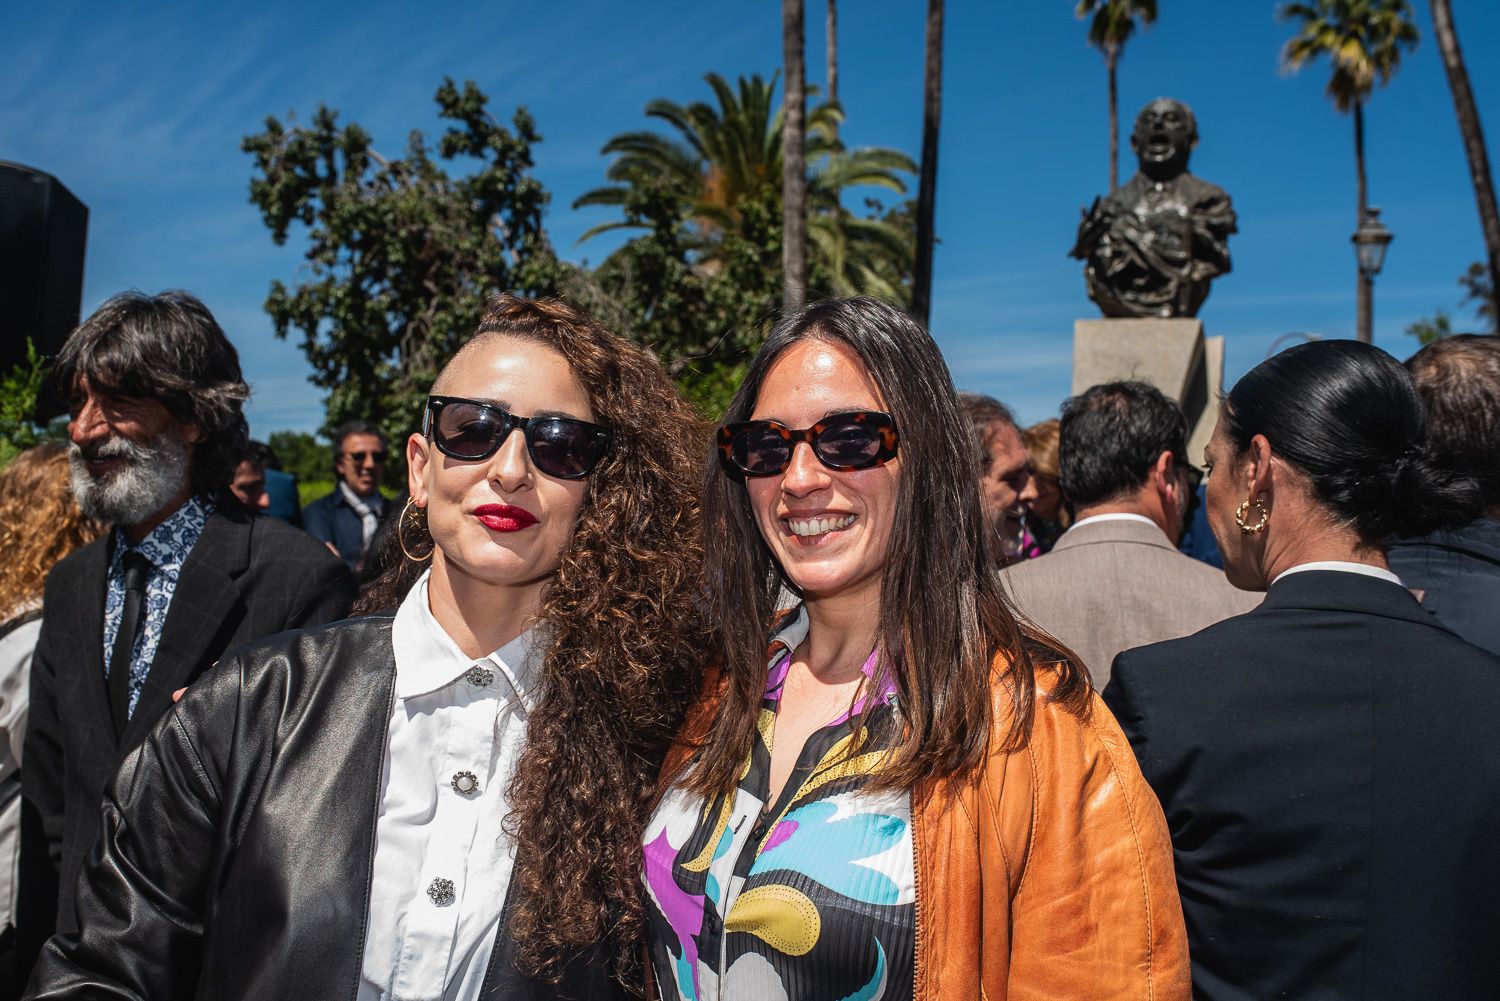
<point>40,523</point>
<point>628,645</point>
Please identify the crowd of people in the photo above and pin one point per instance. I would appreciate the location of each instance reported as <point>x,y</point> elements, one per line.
<point>864,692</point>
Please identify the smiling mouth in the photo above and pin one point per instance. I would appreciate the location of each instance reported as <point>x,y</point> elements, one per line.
<point>809,527</point>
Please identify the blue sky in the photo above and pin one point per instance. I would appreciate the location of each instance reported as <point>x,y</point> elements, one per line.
<point>140,108</point>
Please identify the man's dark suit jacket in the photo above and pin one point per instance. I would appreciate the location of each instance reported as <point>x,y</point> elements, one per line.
<point>247,577</point>
<point>1457,572</point>
<point>330,519</point>
<point>1330,771</point>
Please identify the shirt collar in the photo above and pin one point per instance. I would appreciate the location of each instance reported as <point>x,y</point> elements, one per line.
<point>1341,566</point>
<point>427,658</point>
<point>168,545</point>
<point>372,503</point>
<point>787,639</point>
<point>1113,516</point>
<point>791,634</point>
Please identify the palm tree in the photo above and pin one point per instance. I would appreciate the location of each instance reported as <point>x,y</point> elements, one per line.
<point>932,109</point>
<point>831,34</point>
<point>1113,24</point>
<point>1468,124</point>
<point>793,168</point>
<point>727,156</point>
<point>1363,39</point>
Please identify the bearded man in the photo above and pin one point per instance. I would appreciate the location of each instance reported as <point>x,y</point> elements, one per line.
<point>155,396</point>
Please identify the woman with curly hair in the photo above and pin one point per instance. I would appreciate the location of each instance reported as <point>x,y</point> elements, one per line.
<point>447,802</point>
<point>40,523</point>
<point>906,793</point>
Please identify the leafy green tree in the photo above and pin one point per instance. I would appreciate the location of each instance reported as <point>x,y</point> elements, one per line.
<point>402,253</point>
<point>1363,40</point>
<point>1430,329</point>
<point>724,163</point>
<point>1478,293</point>
<point>302,455</point>
<point>1113,23</point>
<point>20,390</point>
<point>702,320</point>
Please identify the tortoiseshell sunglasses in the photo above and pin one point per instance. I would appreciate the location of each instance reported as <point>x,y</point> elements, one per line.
<point>857,440</point>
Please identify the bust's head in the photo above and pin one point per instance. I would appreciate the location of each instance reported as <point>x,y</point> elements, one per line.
<point>1164,137</point>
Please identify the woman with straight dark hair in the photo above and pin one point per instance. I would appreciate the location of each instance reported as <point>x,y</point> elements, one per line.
<point>447,802</point>
<point>908,794</point>
<point>1327,762</point>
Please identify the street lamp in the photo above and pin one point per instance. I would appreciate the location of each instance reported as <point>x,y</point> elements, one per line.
<point>1370,242</point>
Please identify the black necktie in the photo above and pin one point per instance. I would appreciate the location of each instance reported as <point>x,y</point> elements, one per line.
<point>136,567</point>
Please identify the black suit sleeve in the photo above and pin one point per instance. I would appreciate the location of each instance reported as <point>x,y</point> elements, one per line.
<point>140,898</point>
<point>326,596</point>
<point>1123,697</point>
<point>42,804</point>
<point>318,522</point>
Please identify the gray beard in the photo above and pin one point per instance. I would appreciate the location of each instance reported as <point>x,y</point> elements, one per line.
<point>153,475</point>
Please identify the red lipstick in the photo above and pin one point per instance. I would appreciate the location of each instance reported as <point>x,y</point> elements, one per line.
<point>504,517</point>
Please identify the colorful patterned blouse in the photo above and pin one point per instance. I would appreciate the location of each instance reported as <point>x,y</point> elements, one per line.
<point>812,896</point>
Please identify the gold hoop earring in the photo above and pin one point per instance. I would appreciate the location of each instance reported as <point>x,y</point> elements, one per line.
<point>1244,509</point>
<point>408,514</point>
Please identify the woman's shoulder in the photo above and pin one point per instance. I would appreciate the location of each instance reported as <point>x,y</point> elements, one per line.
<point>353,651</point>
<point>1071,734</point>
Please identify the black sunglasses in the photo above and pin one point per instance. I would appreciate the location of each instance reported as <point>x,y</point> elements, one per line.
<point>359,457</point>
<point>471,430</point>
<point>857,440</point>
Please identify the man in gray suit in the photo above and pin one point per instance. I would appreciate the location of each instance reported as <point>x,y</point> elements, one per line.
<point>1115,580</point>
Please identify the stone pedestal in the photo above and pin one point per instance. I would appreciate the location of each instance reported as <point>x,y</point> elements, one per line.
<point>1170,354</point>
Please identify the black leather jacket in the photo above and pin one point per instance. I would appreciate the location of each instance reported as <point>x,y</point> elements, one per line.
<point>234,859</point>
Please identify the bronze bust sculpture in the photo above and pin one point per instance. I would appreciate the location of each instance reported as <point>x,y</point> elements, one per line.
<point>1154,245</point>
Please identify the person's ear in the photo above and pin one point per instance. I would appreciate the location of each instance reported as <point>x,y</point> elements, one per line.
<point>418,455</point>
<point>1161,474</point>
<point>1260,478</point>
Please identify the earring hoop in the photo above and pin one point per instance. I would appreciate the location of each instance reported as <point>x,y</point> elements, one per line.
<point>408,514</point>
<point>1244,509</point>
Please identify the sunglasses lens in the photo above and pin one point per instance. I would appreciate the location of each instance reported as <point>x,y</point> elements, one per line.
<point>849,446</point>
<point>760,451</point>
<point>466,431</point>
<point>564,448</point>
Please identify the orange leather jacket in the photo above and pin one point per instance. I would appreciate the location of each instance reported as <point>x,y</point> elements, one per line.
<point>1049,876</point>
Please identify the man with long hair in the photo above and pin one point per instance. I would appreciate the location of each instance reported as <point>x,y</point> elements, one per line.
<point>156,426</point>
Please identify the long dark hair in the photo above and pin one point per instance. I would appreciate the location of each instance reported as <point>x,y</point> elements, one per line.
<point>628,642</point>
<point>944,615</point>
<point>1347,415</point>
<point>167,347</point>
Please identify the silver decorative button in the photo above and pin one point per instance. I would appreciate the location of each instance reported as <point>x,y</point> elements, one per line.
<point>480,676</point>
<point>465,782</point>
<point>440,891</point>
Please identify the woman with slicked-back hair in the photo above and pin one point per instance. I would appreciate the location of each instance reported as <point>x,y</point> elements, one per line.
<point>446,802</point>
<point>1327,762</point>
<point>895,790</point>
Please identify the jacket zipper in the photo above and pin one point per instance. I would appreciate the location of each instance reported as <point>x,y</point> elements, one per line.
<point>916,881</point>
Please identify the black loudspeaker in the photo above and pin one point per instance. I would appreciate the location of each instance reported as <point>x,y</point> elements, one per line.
<point>42,231</point>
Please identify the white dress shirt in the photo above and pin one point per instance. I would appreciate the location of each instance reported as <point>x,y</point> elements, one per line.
<point>457,728</point>
<point>1342,566</point>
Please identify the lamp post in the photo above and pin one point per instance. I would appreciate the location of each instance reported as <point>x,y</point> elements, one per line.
<point>1370,242</point>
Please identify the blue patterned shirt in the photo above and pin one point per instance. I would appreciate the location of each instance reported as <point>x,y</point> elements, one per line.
<point>167,547</point>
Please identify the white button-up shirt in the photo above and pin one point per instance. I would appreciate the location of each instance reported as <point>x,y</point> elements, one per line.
<point>452,715</point>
